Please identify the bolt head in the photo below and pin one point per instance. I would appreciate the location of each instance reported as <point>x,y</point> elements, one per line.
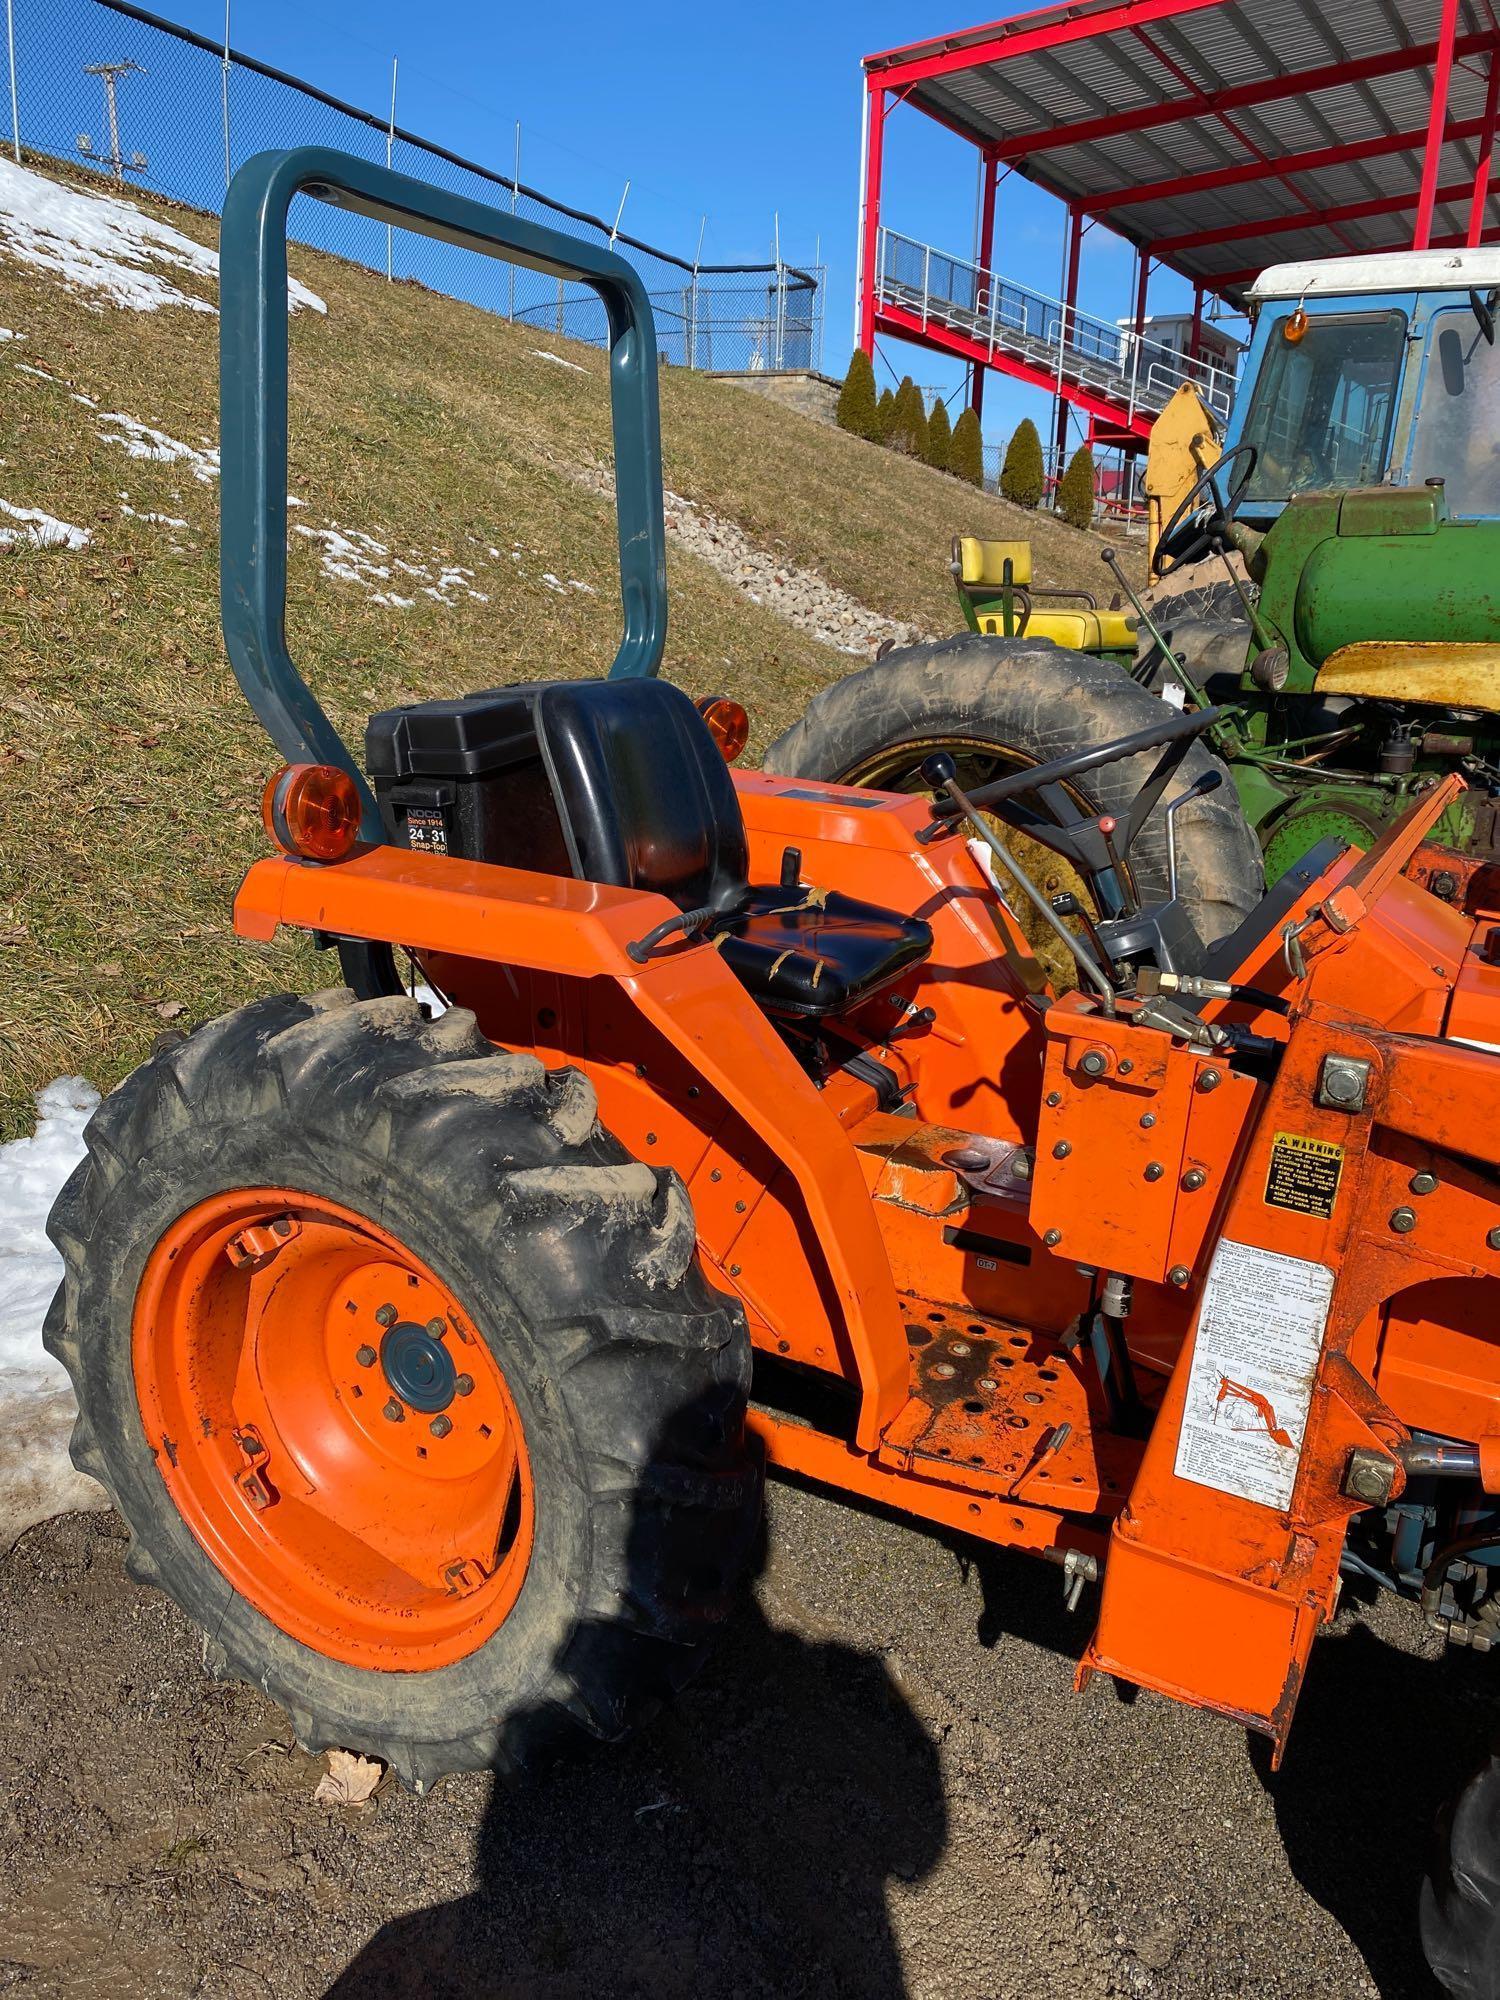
<point>437,1328</point>
<point>464,1386</point>
<point>1343,1082</point>
<point>1369,1476</point>
<point>1493,1239</point>
<point>1052,1238</point>
<point>1155,1170</point>
<point>385,1315</point>
<point>1210,1080</point>
<point>1054,1098</point>
<point>1423,1183</point>
<point>1126,1066</point>
<point>1193,1179</point>
<point>988,1383</point>
<point>1403,1220</point>
<point>944,1370</point>
<point>365,1356</point>
<point>1148,1119</point>
<point>959,1347</point>
<point>393,1412</point>
<point>1094,1062</point>
<point>1062,1149</point>
<point>1178,1275</point>
<point>440,1426</point>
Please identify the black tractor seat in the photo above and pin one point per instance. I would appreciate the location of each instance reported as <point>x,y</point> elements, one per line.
<point>620,782</point>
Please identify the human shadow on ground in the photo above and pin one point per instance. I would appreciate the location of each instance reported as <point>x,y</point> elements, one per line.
<point>742,1845</point>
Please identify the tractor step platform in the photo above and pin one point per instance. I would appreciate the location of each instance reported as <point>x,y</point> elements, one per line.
<point>1008,1412</point>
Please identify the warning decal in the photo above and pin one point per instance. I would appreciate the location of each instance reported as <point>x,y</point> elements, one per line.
<point>1260,1332</point>
<point>1304,1174</point>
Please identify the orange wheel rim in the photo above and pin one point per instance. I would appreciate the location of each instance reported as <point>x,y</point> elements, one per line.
<point>333,1429</point>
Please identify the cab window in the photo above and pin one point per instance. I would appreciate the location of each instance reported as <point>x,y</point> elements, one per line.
<point>1457,433</point>
<point>1320,412</point>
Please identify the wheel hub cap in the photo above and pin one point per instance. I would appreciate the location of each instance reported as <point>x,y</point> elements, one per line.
<point>418,1367</point>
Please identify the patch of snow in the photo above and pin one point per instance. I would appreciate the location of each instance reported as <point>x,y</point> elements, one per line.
<point>89,402</point>
<point>101,244</point>
<point>145,441</point>
<point>162,520</point>
<point>557,360</point>
<point>9,333</point>
<point>37,1409</point>
<point>39,530</point>
<point>587,588</point>
<point>553,582</point>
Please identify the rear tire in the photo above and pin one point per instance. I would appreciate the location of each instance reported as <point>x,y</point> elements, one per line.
<point>574,1265</point>
<point>1461,1896</point>
<point>1026,703</point>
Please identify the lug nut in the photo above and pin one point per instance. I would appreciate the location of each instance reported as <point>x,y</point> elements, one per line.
<point>393,1412</point>
<point>365,1356</point>
<point>1403,1220</point>
<point>440,1426</point>
<point>385,1316</point>
<point>437,1328</point>
<point>464,1385</point>
<point>1193,1179</point>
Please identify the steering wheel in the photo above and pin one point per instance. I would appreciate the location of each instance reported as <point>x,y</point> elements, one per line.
<point>1172,729</point>
<point>1190,533</point>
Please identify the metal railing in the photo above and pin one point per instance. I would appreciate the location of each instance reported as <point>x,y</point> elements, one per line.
<point>106,85</point>
<point>1074,347</point>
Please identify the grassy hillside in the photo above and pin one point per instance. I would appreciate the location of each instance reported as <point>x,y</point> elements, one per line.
<point>131,765</point>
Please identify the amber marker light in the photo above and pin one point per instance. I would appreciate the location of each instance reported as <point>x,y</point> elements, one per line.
<point>313,811</point>
<point>1295,328</point>
<point>728,724</point>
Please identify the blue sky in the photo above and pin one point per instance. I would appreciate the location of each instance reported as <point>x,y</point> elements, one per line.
<point>736,113</point>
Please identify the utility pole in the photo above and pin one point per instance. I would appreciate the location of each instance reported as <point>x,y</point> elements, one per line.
<point>109,74</point>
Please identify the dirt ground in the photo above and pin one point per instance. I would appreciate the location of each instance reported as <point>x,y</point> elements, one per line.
<point>883,1786</point>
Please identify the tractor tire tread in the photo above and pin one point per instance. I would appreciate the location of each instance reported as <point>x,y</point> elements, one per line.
<point>636,1371</point>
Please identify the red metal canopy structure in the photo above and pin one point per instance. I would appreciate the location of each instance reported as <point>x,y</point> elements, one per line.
<point>1217,136</point>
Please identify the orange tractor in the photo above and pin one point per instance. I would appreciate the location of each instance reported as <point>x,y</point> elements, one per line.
<point>432,1352</point>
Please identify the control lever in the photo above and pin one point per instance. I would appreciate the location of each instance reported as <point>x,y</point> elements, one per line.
<point>941,773</point>
<point>1210,781</point>
<point>1067,904</point>
<point>1113,564</point>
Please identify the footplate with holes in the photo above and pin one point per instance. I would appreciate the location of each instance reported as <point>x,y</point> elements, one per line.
<point>1008,1413</point>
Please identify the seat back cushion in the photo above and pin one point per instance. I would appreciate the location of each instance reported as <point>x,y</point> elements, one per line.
<point>983,562</point>
<point>647,801</point>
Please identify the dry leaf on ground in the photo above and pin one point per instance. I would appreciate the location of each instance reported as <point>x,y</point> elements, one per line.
<point>349,1779</point>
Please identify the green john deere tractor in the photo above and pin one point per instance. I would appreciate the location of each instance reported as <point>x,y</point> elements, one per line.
<point>1330,579</point>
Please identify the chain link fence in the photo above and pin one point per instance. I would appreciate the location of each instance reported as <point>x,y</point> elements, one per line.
<point>146,103</point>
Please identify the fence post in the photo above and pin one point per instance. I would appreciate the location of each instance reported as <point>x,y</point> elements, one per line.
<point>780,320</point>
<point>390,147</point>
<point>692,353</point>
<point>515,189</point>
<point>224,97</point>
<point>15,113</point>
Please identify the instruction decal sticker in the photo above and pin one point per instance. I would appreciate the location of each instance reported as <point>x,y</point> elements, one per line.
<point>1304,1174</point>
<point>1260,1333</point>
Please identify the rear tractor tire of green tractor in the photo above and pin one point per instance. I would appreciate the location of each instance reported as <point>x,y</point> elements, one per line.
<point>407,1382</point>
<point>996,704</point>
